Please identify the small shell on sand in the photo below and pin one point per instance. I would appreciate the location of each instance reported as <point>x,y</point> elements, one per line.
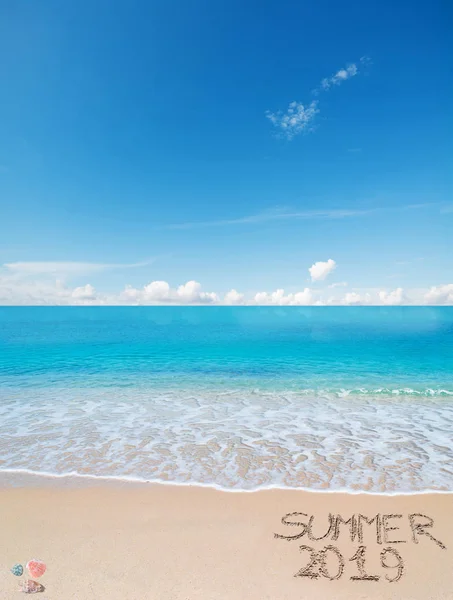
<point>31,587</point>
<point>17,570</point>
<point>36,568</point>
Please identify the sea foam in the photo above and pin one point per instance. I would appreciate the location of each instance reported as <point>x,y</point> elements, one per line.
<point>377,440</point>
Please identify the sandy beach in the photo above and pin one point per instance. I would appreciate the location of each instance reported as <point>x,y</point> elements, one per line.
<point>176,542</point>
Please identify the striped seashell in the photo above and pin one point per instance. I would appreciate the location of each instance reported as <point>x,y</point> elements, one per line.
<point>36,568</point>
<point>31,587</point>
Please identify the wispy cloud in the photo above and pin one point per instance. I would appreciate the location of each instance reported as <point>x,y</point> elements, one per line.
<point>342,75</point>
<point>61,268</point>
<point>420,205</point>
<point>339,77</point>
<point>298,117</point>
<point>291,214</point>
<point>338,284</point>
<point>295,120</point>
<point>339,213</point>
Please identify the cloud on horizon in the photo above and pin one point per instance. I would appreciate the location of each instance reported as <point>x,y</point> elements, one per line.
<point>393,298</point>
<point>441,294</point>
<point>160,292</point>
<point>23,292</point>
<point>355,299</point>
<point>34,283</point>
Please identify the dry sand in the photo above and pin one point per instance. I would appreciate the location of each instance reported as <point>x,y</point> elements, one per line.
<point>173,543</point>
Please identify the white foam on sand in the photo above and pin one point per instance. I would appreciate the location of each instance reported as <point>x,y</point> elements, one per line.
<point>385,441</point>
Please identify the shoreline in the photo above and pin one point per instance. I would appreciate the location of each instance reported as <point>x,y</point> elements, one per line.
<point>251,442</point>
<point>25,478</point>
<point>191,543</point>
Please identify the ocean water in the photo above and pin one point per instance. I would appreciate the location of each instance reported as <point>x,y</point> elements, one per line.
<point>240,398</point>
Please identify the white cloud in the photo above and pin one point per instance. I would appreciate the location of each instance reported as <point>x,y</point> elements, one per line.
<point>355,299</point>
<point>160,292</point>
<point>340,76</point>
<point>295,120</point>
<point>441,294</point>
<point>320,270</point>
<point>16,289</point>
<point>191,292</point>
<point>86,292</point>
<point>233,297</point>
<point>339,284</point>
<point>129,295</point>
<point>279,298</point>
<point>298,117</point>
<point>61,268</point>
<point>394,298</point>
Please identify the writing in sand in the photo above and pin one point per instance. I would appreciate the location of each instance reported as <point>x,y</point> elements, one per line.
<point>381,528</point>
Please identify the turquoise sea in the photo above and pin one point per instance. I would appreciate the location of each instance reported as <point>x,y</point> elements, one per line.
<point>357,398</point>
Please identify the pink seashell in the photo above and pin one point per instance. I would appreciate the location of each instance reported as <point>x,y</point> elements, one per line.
<point>36,567</point>
<point>31,587</point>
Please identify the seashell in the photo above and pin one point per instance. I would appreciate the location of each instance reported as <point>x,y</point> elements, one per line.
<point>31,587</point>
<point>36,568</point>
<point>17,570</point>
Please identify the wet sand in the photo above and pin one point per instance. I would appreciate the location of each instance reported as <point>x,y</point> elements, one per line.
<point>186,543</point>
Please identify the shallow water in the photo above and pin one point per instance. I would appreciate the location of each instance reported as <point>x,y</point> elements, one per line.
<point>241,398</point>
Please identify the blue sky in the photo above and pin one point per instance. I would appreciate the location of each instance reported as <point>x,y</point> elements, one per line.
<point>136,142</point>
